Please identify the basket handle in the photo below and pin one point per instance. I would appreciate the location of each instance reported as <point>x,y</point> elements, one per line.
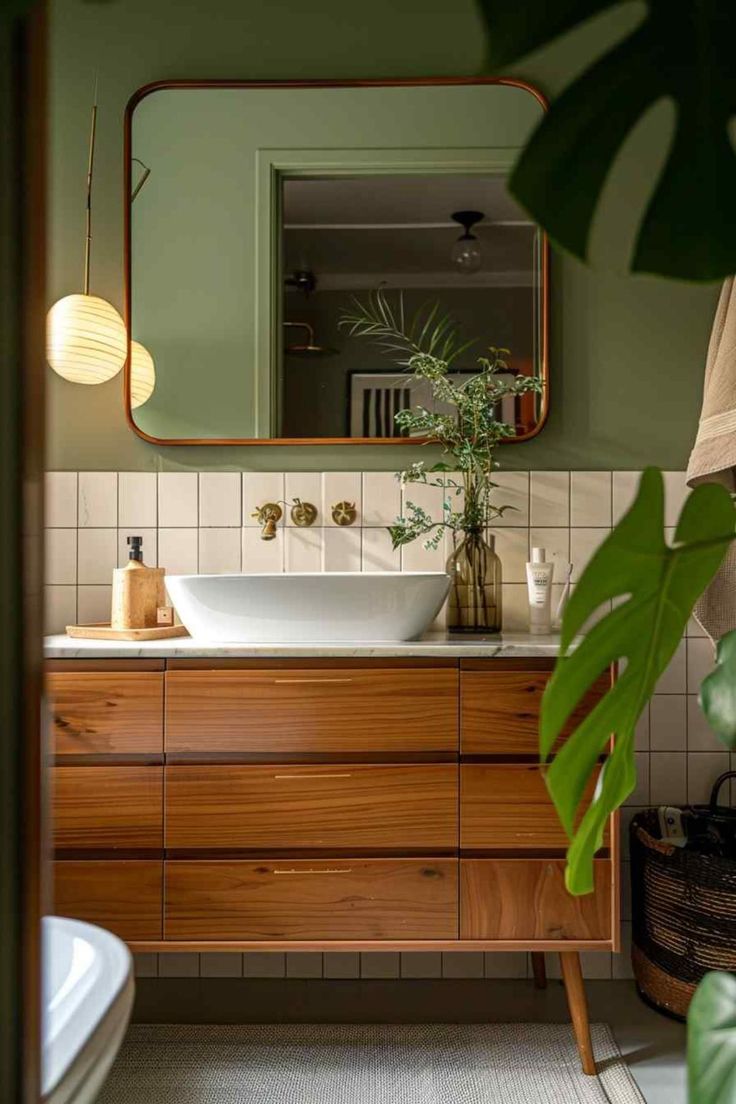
<point>717,787</point>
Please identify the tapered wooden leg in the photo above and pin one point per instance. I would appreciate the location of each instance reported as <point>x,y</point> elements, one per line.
<point>539,970</point>
<point>572,975</point>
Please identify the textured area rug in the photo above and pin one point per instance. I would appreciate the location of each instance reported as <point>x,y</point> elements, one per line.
<point>365,1064</point>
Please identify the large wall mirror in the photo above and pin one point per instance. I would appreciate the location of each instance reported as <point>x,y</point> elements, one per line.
<point>256,214</point>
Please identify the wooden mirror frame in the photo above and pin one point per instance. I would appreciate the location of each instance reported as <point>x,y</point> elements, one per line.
<point>408,82</point>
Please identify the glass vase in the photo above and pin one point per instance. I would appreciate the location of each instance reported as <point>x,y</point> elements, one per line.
<point>474,604</point>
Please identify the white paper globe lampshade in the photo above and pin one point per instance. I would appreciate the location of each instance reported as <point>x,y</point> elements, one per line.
<point>142,374</point>
<point>86,340</point>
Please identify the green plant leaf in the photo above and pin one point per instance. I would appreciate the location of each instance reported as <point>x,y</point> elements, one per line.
<point>718,691</point>
<point>516,29</point>
<point>659,586</point>
<point>711,1041</point>
<point>680,52</point>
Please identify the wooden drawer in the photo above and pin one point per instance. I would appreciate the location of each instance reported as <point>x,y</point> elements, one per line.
<point>100,712</point>
<point>331,806</point>
<point>312,899</point>
<point>311,710</point>
<point>124,896</point>
<point>507,806</point>
<point>106,807</point>
<point>499,710</point>
<point>526,899</point>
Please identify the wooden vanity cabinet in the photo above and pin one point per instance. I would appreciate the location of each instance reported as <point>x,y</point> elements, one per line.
<point>355,803</point>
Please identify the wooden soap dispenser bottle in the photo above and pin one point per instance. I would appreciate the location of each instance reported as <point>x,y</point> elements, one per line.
<point>137,591</point>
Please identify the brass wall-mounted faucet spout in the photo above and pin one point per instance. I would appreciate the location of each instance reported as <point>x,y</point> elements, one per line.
<point>268,515</point>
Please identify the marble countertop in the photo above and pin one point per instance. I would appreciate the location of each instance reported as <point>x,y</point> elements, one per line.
<point>505,646</point>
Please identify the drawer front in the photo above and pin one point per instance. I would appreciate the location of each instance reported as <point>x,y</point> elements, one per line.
<point>124,896</point>
<point>335,807</point>
<point>526,899</point>
<point>108,807</point>
<point>297,711</point>
<point>311,899</point>
<point>507,806</point>
<point>95,712</point>
<point>499,710</point>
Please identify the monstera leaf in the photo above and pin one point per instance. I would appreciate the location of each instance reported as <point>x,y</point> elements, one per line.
<point>718,691</point>
<point>656,586</point>
<point>681,52</point>
<point>711,1041</point>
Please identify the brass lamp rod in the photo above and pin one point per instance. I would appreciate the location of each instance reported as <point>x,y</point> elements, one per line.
<point>90,167</point>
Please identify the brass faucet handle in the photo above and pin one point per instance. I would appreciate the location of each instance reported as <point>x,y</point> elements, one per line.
<point>269,511</point>
<point>303,514</point>
<point>344,513</point>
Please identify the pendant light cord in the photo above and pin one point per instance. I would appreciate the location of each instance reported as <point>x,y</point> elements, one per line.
<point>90,167</point>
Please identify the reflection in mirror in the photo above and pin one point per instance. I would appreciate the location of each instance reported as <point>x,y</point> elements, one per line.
<point>258,211</point>
<point>457,240</point>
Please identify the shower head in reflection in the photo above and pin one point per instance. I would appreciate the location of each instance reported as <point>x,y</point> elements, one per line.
<point>310,348</point>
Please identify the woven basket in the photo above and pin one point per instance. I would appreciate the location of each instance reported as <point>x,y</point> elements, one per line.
<point>684,910</point>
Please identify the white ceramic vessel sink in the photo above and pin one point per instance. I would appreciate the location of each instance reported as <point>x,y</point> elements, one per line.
<point>310,607</point>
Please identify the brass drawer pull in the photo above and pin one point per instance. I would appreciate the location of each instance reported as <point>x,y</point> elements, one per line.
<point>300,680</point>
<point>316,777</point>
<point>331,870</point>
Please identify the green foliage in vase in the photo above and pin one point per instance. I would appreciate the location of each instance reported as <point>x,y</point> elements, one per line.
<point>682,53</point>
<point>427,344</point>
<point>656,586</point>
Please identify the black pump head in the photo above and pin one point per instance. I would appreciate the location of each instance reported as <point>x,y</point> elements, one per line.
<point>135,548</point>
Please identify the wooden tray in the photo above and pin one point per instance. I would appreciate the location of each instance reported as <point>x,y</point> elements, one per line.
<point>103,631</point>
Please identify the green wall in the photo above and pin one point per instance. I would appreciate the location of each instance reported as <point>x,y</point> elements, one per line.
<point>627,353</point>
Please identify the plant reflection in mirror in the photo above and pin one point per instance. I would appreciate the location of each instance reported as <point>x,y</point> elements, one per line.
<point>468,433</point>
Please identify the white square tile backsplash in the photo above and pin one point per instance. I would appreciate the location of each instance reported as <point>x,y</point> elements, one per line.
<point>550,498</point>
<point>203,522</point>
<point>258,489</point>
<point>61,499</point>
<point>93,604</point>
<point>512,491</point>
<point>98,500</point>
<point>137,500</point>
<point>219,499</point>
<point>178,499</point>
<point>378,554</point>
<point>61,556</point>
<point>381,498</point>
<point>302,549</point>
<point>341,549</point>
<point>97,555</point>
<point>219,550</point>
<point>259,555</point>
<point>624,490</point>
<point>178,551</point>
<point>590,498</point>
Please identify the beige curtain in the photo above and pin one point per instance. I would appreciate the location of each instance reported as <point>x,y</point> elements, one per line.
<point>713,458</point>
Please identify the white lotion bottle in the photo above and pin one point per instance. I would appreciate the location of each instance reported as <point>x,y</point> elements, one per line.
<point>539,582</point>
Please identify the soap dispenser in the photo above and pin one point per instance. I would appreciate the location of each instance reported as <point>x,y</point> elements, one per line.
<point>137,591</point>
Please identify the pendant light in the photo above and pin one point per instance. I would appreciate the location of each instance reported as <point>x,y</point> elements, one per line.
<point>142,374</point>
<point>466,254</point>
<point>86,340</point>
